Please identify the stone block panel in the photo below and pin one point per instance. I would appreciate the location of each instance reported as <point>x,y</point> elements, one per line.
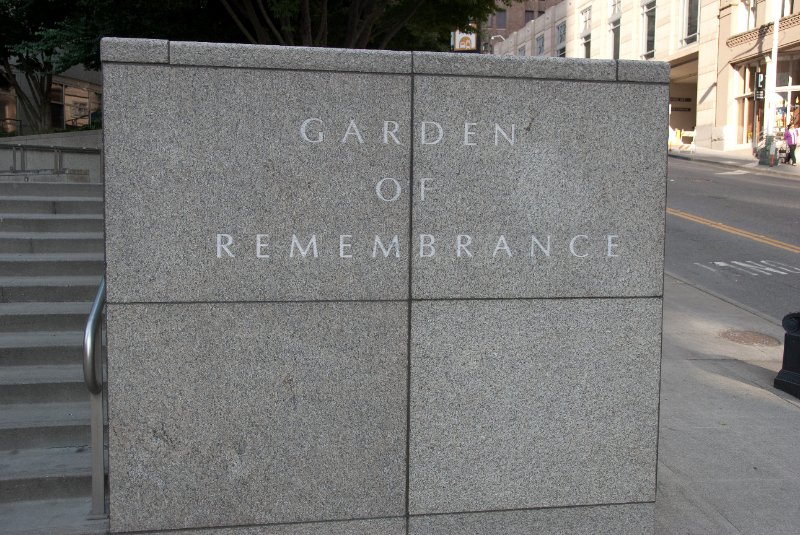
<point>625,519</point>
<point>533,403</point>
<point>513,66</point>
<point>238,414</point>
<point>383,526</point>
<point>123,50</point>
<point>643,71</point>
<point>289,57</point>
<point>216,192</point>
<point>517,199</point>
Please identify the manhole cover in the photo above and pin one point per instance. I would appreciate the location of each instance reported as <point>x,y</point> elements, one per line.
<point>749,338</point>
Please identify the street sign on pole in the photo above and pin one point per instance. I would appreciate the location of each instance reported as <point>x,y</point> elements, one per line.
<point>759,93</point>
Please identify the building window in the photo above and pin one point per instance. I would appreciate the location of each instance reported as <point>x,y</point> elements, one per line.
<point>561,40</point>
<point>614,22</point>
<point>787,8</point>
<point>8,113</point>
<point>529,16</point>
<point>747,15</point>
<point>586,21</point>
<point>615,38</point>
<point>521,51</point>
<point>74,107</point>
<point>586,32</point>
<point>649,17</point>
<point>692,17</point>
<point>500,19</point>
<point>540,45</point>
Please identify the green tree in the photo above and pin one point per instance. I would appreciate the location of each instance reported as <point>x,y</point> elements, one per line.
<point>40,38</point>
<point>25,57</point>
<point>396,24</point>
<point>78,35</point>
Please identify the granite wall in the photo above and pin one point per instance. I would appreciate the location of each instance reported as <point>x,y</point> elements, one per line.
<point>379,292</point>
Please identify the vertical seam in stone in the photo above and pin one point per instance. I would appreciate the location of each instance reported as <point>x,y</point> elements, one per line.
<point>409,301</point>
<point>105,194</point>
<point>663,284</point>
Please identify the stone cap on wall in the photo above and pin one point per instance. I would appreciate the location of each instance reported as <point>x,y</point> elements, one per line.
<point>150,51</point>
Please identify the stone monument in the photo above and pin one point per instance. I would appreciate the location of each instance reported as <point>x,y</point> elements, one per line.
<point>380,292</point>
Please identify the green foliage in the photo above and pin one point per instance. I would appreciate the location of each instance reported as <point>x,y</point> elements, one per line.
<point>40,38</point>
<point>430,28</point>
<point>22,22</point>
<point>22,51</point>
<point>34,30</point>
<point>396,24</point>
<point>77,35</point>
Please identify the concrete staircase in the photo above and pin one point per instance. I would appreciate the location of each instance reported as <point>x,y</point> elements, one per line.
<point>51,261</point>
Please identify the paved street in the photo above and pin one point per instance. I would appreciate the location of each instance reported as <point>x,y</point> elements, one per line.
<point>736,234</point>
<point>728,452</point>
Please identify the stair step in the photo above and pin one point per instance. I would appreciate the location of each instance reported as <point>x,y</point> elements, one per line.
<point>51,260</point>
<point>51,222</point>
<point>52,188</point>
<point>65,516</point>
<point>42,384</point>
<point>35,316</point>
<point>33,204</point>
<point>37,425</point>
<point>51,242</point>
<point>51,264</point>
<point>33,348</point>
<point>65,288</point>
<point>45,473</point>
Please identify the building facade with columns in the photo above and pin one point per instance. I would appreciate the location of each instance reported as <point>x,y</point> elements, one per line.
<point>719,51</point>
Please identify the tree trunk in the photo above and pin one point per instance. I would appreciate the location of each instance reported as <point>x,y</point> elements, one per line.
<point>45,117</point>
<point>35,101</point>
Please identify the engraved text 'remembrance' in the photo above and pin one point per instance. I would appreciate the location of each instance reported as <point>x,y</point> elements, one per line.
<point>389,190</point>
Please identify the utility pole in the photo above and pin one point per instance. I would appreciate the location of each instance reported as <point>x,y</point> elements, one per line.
<point>772,85</point>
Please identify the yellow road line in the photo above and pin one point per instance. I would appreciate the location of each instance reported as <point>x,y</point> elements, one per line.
<point>733,230</point>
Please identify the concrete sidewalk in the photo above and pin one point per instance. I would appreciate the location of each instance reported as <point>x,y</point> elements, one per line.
<point>739,159</point>
<point>728,447</point>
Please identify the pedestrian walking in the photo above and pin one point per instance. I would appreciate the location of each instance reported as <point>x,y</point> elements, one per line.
<point>790,136</point>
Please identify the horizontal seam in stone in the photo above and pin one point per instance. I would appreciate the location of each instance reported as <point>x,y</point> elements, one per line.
<point>235,526</point>
<point>393,73</point>
<point>399,300</point>
<point>255,302</point>
<point>285,69</point>
<point>521,509</point>
<point>133,62</point>
<point>546,79</point>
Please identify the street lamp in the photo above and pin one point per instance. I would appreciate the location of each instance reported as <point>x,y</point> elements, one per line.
<point>489,47</point>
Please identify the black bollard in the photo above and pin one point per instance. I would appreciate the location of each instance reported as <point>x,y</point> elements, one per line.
<point>788,378</point>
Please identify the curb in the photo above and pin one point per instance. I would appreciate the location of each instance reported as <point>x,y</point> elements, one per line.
<point>721,297</point>
<point>765,170</point>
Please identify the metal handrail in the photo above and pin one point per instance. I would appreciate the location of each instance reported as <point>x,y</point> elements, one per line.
<point>94,381</point>
<point>48,148</point>
<point>93,376</point>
